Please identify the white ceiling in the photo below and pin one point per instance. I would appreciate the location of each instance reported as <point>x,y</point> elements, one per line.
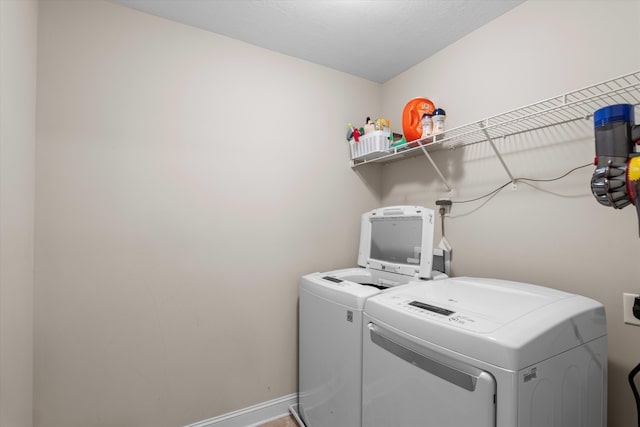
<point>374,39</point>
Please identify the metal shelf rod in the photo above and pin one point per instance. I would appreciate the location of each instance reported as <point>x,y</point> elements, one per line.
<point>436,168</point>
<point>495,150</point>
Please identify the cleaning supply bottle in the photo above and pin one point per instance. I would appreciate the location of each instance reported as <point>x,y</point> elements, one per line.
<point>369,126</point>
<point>439,116</point>
<point>350,130</point>
<point>427,125</point>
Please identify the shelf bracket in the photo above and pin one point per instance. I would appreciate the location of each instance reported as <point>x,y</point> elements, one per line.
<point>444,181</point>
<point>497,153</point>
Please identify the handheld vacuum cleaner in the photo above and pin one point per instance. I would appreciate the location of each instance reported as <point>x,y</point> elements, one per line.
<point>616,180</point>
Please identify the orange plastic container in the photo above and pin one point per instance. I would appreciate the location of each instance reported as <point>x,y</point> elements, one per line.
<point>412,118</point>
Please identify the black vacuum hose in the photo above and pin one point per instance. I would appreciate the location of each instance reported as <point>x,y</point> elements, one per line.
<point>632,374</point>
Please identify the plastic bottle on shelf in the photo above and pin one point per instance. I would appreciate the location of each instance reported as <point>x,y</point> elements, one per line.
<point>427,125</point>
<point>350,130</point>
<point>439,116</point>
<point>369,126</point>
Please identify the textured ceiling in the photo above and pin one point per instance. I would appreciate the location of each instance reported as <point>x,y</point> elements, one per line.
<point>373,39</point>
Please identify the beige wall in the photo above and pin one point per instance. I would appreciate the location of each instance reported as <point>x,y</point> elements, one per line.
<point>18,38</point>
<point>553,234</point>
<point>184,183</point>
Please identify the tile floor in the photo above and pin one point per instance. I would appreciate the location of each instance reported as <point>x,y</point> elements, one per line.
<point>287,421</point>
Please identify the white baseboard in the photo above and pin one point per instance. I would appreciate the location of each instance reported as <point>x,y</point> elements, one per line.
<point>252,416</point>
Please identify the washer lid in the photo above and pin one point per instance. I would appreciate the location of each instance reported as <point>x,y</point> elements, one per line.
<point>398,239</point>
<point>347,287</point>
<point>509,324</point>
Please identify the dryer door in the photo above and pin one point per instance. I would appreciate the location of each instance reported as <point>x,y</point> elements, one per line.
<point>407,384</point>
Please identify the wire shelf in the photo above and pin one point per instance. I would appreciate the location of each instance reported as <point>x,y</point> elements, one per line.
<point>569,107</point>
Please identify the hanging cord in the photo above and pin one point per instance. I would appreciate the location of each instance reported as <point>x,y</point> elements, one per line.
<point>444,243</point>
<point>632,374</point>
<point>491,193</point>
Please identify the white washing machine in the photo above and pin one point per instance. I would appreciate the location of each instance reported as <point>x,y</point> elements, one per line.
<point>482,352</point>
<point>396,246</point>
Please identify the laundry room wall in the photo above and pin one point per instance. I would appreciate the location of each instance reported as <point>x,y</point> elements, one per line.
<point>184,182</point>
<point>18,51</point>
<point>553,234</point>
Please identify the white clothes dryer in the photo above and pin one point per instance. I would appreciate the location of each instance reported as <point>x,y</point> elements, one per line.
<point>483,353</point>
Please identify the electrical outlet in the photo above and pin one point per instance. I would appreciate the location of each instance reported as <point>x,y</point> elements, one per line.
<point>444,204</point>
<point>628,300</point>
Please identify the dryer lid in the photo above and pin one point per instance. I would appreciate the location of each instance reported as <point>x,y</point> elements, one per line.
<point>398,239</point>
